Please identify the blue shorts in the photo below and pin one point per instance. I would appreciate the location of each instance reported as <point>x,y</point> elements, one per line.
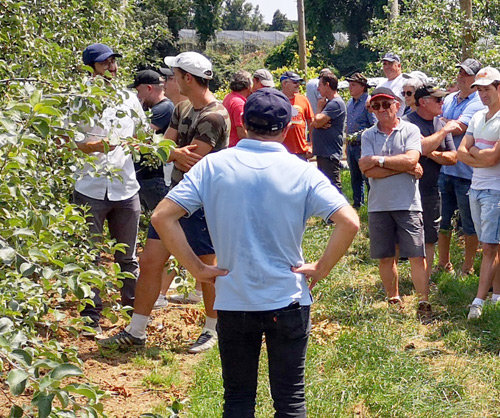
<point>196,230</point>
<point>454,195</point>
<point>485,209</point>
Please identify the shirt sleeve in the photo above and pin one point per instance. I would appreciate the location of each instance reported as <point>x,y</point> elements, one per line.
<point>323,198</point>
<point>366,144</point>
<point>237,114</point>
<point>188,192</point>
<point>162,115</point>
<point>472,124</point>
<point>447,144</point>
<point>174,120</point>
<point>413,138</point>
<point>210,128</point>
<point>469,111</point>
<point>333,110</point>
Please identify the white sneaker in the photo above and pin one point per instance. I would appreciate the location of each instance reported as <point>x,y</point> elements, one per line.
<point>475,311</point>
<point>206,340</point>
<point>161,302</point>
<point>192,297</point>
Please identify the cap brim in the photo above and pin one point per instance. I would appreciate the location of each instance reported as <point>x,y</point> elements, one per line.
<point>170,61</point>
<point>483,82</point>
<point>466,69</point>
<point>132,86</point>
<point>389,59</point>
<point>167,72</point>
<point>439,93</point>
<point>385,96</point>
<point>106,55</point>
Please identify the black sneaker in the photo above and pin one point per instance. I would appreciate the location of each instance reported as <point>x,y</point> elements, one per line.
<point>122,339</point>
<point>206,340</point>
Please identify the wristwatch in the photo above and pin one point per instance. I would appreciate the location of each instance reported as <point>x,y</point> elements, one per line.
<point>381,161</point>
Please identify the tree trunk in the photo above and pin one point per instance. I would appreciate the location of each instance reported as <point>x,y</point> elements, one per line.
<point>394,10</point>
<point>302,36</point>
<point>466,7</point>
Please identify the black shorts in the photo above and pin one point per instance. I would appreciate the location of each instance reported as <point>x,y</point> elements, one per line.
<point>431,205</point>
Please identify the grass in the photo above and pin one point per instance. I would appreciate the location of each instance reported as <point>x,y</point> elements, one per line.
<point>378,362</point>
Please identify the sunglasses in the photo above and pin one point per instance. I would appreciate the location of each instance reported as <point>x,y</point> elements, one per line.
<point>407,93</point>
<point>385,105</point>
<point>437,99</point>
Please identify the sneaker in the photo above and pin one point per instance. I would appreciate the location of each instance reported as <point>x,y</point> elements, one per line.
<point>122,339</point>
<point>424,312</point>
<point>192,297</point>
<point>475,311</point>
<point>95,330</point>
<point>206,340</point>
<point>161,302</point>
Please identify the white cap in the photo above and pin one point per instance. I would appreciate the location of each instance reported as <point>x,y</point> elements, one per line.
<point>193,63</point>
<point>486,76</point>
<point>419,75</point>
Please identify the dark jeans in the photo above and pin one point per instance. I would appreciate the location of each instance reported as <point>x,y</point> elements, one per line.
<point>240,341</point>
<point>357,178</point>
<point>123,220</point>
<point>330,167</point>
<point>152,191</point>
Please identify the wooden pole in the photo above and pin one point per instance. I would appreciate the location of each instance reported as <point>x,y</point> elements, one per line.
<point>466,7</point>
<point>393,10</point>
<point>302,36</point>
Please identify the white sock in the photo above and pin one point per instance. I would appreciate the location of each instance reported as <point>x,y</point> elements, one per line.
<point>210,323</point>
<point>495,297</point>
<point>137,326</point>
<point>478,301</point>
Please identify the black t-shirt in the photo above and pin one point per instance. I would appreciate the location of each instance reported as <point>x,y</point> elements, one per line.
<point>428,182</point>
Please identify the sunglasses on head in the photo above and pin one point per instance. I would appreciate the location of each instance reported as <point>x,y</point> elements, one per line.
<point>385,105</point>
<point>407,93</point>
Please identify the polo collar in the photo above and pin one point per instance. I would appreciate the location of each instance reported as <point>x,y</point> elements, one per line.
<point>397,128</point>
<point>261,146</point>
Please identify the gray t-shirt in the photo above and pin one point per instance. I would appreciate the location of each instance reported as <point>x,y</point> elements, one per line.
<point>400,191</point>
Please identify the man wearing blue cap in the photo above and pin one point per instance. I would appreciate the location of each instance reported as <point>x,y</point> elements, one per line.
<point>109,186</point>
<point>256,218</point>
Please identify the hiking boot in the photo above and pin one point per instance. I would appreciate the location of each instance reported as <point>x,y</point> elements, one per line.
<point>424,312</point>
<point>122,339</point>
<point>206,340</point>
<point>475,311</point>
<point>95,330</point>
<point>161,302</point>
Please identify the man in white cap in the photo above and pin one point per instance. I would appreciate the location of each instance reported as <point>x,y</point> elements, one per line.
<point>199,126</point>
<point>480,149</point>
<point>391,65</point>
<point>262,78</point>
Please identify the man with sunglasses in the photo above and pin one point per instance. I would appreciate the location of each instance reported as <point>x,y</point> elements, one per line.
<point>391,66</point>
<point>390,151</point>
<point>455,180</point>
<point>437,149</point>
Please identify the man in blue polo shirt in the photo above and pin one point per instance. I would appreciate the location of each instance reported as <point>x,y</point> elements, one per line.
<point>455,180</point>
<point>256,218</point>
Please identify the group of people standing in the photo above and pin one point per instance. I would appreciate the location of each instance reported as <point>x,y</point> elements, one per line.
<point>235,218</point>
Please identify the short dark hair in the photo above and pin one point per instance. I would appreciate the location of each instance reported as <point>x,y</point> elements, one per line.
<point>240,80</point>
<point>331,80</point>
<point>200,80</point>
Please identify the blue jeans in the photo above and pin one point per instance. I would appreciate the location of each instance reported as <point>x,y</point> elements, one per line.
<point>485,209</point>
<point>454,195</point>
<point>357,178</point>
<point>240,340</point>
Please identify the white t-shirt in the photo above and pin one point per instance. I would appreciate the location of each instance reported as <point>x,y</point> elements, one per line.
<point>486,134</point>
<point>396,86</point>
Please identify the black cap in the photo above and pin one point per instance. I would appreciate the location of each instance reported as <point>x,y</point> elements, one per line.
<point>429,90</point>
<point>383,92</point>
<point>97,53</point>
<point>166,72</point>
<point>267,110</point>
<point>470,66</point>
<point>145,77</point>
<point>290,75</point>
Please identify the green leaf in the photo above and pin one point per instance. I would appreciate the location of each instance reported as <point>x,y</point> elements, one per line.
<point>22,107</point>
<point>27,269</point>
<point>5,325</point>
<point>43,402</point>
<point>63,398</point>
<point>47,110</point>
<point>17,381</point>
<point>82,390</point>
<point>16,412</point>
<point>65,370</point>
<point>22,356</point>
<point>7,255</point>
<point>35,97</point>
<point>23,232</point>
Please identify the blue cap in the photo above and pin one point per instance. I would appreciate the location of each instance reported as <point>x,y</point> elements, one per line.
<point>267,110</point>
<point>391,57</point>
<point>290,75</point>
<point>97,53</point>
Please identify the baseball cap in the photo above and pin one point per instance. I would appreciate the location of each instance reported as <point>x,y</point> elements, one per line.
<point>290,75</point>
<point>486,76</point>
<point>193,63</point>
<point>358,78</point>
<point>429,90</point>
<point>383,92</point>
<point>419,75</point>
<point>98,53</point>
<point>267,110</point>
<point>166,72</point>
<point>391,57</point>
<point>145,77</point>
<point>265,77</point>
<point>470,66</point>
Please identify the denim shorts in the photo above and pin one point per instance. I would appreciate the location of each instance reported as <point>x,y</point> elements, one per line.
<point>454,195</point>
<point>196,230</point>
<point>485,209</point>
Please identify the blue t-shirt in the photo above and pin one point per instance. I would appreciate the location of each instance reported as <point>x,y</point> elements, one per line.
<point>256,217</point>
<point>461,112</point>
<point>328,142</point>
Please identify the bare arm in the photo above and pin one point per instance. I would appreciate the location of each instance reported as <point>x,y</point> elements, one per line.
<point>431,142</point>
<point>486,157</point>
<point>94,146</point>
<point>379,172</point>
<point>401,163</point>
<point>241,131</point>
<point>463,153</point>
<point>443,157</point>
<point>165,220</point>
<point>346,227</point>
<point>320,120</point>
<point>459,129</point>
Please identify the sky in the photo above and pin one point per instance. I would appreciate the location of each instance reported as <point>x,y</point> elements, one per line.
<point>268,7</point>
